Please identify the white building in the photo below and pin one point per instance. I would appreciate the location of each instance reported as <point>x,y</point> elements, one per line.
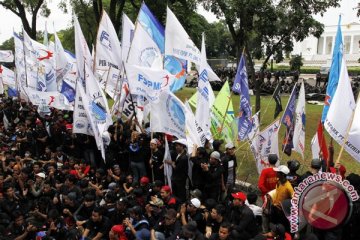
<point>318,51</point>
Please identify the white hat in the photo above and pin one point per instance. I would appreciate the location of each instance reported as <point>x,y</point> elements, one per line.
<point>282,168</point>
<point>42,175</point>
<point>155,141</point>
<point>195,202</point>
<point>229,145</point>
<point>181,141</point>
<point>215,154</point>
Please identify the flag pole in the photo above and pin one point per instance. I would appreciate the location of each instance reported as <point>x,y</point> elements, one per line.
<point>347,132</point>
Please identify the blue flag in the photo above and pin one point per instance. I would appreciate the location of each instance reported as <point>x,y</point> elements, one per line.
<point>68,91</point>
<point>288,120</point>
<point>334,71</point>
<point>156,30</point>
<point>241,87</point>
<point>12,92</point>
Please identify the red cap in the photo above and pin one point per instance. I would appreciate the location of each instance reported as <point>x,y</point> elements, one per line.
<point>144,180</point>
<point>118,229</point>
<point>69,126</point>
<point>166,188</point>
<point>239,195</point>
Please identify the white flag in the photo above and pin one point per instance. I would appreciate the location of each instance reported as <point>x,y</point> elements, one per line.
<point>62,63</point>
<point>7,76</point>
<point>6,56</point>
<point>144,51</point>
<point>167,168</point>
<point>97,128</point>
<point>20,65</point>
<point>203,106</point>
<point>267,143</point>
<point>299,130</point>
<point>194,133</point>
<point>168,115</point>
<point>108,47</point>
<point>126,36</point>
<point>51,99</point>
<point>178,42</point>
<point>253,139</point>
<point>109,81</point>
<point>147,81</point>
<point>82,52</point>
<point>339,115</point>
<point>81,123</point>
<point>6,122</point>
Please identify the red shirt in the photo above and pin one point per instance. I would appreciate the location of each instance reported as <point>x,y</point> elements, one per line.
<point>267,180</point>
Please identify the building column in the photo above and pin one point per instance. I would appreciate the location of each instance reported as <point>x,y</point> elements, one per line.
<point>351,45</point>
<point>324,46</point>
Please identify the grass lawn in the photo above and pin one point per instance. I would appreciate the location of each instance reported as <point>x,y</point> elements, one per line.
<point>246,163</point>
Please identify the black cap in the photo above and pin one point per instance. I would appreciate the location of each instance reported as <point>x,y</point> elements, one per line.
<point>217,143</point>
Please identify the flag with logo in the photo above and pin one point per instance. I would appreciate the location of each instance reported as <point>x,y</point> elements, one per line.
<point>62,63</point>
<point>156,31</point>
<point>288,120</point>
<point>144,51</point>
<point>299,130</point>
<point>168,115</point>
<point>194,133</point>
<point>339,117</point>
<point>334,71</point>
<point>253,138</point>
<point>318,144</point>
<point>277,98</point>
<point>267,143</point>
<point>241,87</point>
<point>179,44</point>
<point>6,56</point>
<point>20,64</point>
<point>51,99</point>
<point>81,122</point>
<point>148,82</point>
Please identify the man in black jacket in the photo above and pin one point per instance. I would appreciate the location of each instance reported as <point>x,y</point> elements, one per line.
<point>180,170</point>
<point>213,176</point>
<point>242,218</point>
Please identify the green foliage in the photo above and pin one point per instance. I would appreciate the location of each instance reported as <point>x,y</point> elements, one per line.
<point>296,62</point>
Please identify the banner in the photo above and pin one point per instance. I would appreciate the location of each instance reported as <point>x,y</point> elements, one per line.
<point>253,140</point>
<point>168,115</point>
<point>267,141</point>
<point>147,81</point>
<point>340,113</point>
<point>288,120</point>
<point>6,56</point>
<point>299,130</point>
<point>241,87</point>
<point>334,70</point>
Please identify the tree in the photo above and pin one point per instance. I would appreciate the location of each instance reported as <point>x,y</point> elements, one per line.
<point>269,25</point>
<point>22,7</point>
<point>296,62</point>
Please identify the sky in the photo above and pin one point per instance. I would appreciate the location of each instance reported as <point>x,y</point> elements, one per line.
<point>9,21</point>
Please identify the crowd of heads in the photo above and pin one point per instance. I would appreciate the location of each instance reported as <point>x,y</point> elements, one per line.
<point>54,183</point>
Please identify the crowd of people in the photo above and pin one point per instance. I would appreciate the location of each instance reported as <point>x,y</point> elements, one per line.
<point>55,185</point>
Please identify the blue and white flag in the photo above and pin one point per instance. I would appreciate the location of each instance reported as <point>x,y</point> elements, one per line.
<point>68,91</point>
<point>156,30</point>
<point>334,71</point>
<point>241,87</point>
<point>288,120</point>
